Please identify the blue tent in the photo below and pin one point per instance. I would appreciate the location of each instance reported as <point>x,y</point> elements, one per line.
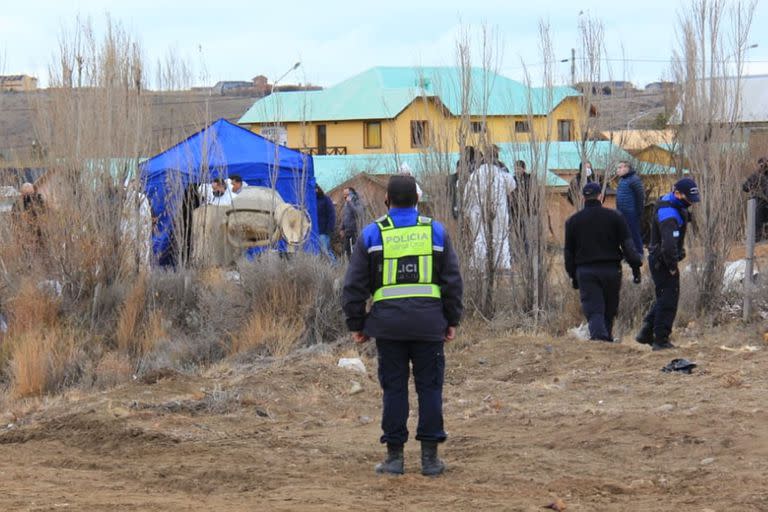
<point>218,151</point>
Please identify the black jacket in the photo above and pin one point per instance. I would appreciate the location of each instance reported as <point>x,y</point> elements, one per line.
<point>326,215</point>
<point>410,319</point>
<point>757,185</point>
<point>670,223</point>
<point>598,235</point>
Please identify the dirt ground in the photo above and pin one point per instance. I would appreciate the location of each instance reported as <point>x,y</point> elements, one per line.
<point>530,419</point>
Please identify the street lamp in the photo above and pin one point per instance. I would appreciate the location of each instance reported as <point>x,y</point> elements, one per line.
<point>274,84</point>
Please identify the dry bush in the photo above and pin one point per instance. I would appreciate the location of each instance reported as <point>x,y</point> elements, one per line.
<point>113,369</point>
<point>44,361</point>
<point>295,301</point>
<point>129,319</point>
<point>175,293</point>
<point>267,331</point>
<point>33,306</point>
<point>153,333</point>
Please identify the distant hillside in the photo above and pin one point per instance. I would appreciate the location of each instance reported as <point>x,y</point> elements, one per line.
<point>633,110</point>
<point>175,116</point>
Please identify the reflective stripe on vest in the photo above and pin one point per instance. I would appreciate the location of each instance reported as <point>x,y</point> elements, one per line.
<point>404,291</point>
<point>403,242</point>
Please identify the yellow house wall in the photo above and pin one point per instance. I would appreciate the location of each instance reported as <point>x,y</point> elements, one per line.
<point>443,129</point>
<point>656,155</point>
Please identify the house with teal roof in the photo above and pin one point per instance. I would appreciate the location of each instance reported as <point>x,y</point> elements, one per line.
<point>402,110</point>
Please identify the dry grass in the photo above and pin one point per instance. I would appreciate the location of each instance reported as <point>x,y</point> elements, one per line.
<point>113,369</point>
<point>44,361</point>
<point>32,307</point>
<point>265,331</point>
<point>153,333</point>
<point>131,313</point>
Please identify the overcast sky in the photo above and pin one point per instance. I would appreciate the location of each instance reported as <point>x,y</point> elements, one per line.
<point>334,39</point>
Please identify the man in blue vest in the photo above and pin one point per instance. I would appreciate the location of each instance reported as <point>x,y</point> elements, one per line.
<point>407,264</point>
<point>666,250</point>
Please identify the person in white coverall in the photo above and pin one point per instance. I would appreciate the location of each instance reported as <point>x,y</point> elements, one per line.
<point>486,202</point>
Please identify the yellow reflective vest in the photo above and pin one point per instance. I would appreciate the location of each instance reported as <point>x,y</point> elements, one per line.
<point>404,242</point>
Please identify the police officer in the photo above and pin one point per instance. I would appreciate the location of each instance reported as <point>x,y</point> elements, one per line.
<point>407,264</point>
<point>596,239</point>
<point>666,250</point>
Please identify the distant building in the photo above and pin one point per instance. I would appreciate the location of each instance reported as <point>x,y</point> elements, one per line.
<point>261,85</point>
<point>605,88</point>
<point>17,83</point>
<point>223,88</point>
<point>658,147</point>
<point>660,86</point>
<point>750,115</point>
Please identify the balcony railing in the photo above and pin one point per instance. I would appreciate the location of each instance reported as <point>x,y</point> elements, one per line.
<point>327,150</point>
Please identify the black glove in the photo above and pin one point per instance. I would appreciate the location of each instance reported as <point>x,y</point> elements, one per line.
<point>636,275</point>
<point>574,283</point>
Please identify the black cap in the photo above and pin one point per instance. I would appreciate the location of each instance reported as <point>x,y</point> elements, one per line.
<point>591,190</point>
<point>689,189</point>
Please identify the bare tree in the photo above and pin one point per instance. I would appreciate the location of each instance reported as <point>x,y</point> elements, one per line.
<point>709,67</point>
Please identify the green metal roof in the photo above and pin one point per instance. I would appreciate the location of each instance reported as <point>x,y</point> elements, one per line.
<point>332,170</point>
<point>564,156</point>
<point>384,92</point>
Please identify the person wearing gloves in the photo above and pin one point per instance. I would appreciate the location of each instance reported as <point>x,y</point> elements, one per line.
<point>666,250</point>
<point>596,240</point>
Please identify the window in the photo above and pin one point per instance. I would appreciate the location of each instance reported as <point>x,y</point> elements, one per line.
<point>564,130</point>
<point>478,127</point>
<point>419,134</point>
<point>522,127</point>
<point>372,134</point>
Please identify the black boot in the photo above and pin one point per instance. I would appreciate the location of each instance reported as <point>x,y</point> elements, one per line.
<point>431,465</point>
<point>394,463</point>
<point>645,336</point>
<point>662,344</point>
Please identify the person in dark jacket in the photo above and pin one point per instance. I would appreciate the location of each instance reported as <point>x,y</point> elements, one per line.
<point>596,240</point>
<point>630,201</point>
<point>666,250</point>
<point>351,218</point>
<point>407,264</point>
<point>465,166</point>
<point>326,222</point>
<point>756,186</point>
<point>28,211</point>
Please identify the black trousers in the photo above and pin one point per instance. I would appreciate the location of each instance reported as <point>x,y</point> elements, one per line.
<point>664,310</point>
<point>428,360</point>
<point>599,287</point>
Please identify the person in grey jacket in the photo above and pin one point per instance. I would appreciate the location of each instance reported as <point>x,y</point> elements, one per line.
<point>351,219</point>
<point>630,201</point>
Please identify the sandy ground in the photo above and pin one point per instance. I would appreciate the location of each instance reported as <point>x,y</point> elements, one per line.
<point>530,419</point>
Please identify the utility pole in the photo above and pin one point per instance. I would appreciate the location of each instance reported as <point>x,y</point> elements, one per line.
<point>751,236</point>
<point>573,66</point>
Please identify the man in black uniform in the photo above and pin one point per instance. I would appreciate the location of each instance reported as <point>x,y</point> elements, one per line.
<point>596,239</point>
<point>407,264</point>
<point>666,250</point>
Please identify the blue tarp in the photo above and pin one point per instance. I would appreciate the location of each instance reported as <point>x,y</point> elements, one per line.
<point>218,151</point>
